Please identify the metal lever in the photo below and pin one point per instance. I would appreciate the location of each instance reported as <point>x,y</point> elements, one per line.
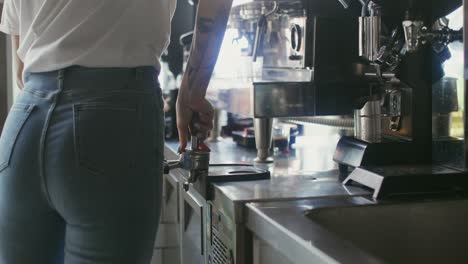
<point>172,164</point>
<point>261,28</point>
<point>192,177</point>
<point>345,3</point>
<point>259,36</point>
<point>194,123</point>
<point>182,163</point>
<point>197,138</point>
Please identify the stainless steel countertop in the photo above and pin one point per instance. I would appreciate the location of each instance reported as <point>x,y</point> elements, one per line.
<point>309,172</point>
<point>275,210</point>
<point>361,230</point>
<point>284,227</point>
<point>311,155</point>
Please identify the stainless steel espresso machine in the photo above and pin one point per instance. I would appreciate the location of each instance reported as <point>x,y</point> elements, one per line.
<point>404,140</point>
<point>381,61</point>
<point>285,58</point>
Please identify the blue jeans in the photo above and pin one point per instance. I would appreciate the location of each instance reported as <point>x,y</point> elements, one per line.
<point>81,158</point>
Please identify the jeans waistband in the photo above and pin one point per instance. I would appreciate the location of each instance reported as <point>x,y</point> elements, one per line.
<point>77,78</point>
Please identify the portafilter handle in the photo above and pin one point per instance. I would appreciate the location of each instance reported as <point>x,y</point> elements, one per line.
<point>172,164</point>
<point>185,160</point>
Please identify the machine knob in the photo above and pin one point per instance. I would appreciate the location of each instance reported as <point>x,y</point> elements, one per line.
<point>186,186</point>
<point>166,167</point>
<point>296,37</point>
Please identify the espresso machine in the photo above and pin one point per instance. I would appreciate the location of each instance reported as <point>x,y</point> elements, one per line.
<point>285,58</point>
<point>380,61</point>
<point>403,142</point>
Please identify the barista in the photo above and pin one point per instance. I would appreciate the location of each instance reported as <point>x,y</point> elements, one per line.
<point>82,150</point>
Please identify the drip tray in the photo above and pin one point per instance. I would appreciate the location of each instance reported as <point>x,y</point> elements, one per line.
<point>410,180</point>
<point>236,172</point>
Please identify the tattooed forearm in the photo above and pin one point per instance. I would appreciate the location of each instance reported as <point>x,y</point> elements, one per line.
<point>212,16</point>
<point>205,24</point>
<point>199,70</point>
<point>192,73</point>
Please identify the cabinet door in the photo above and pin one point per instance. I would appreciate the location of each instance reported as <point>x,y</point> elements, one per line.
<point>263,253</point>
<point>170,214</point>
<point>169,223</point>
<point>167,245</point>
<point>192,228</point>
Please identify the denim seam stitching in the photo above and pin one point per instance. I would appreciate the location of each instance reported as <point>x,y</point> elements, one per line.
<point>44,137</point>
<point>35,93</point>
<point>22,107</point>
<point>103,106</point>
<point>79,162</point>
<point>83,92</point>
<point>4,165</point>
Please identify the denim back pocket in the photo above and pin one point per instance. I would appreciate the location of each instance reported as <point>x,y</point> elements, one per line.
<point>17,117</point>
<point>105,137</point>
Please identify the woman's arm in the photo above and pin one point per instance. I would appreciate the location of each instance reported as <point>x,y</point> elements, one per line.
<point>210,25</point>
<point>15,43</point>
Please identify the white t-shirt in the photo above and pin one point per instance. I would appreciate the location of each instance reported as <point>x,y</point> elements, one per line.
<point>55,34</point>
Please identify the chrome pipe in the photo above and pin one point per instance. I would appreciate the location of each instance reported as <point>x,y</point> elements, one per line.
<point>263,138</point>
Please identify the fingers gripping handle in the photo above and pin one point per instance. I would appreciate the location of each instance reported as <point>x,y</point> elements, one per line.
<point>195,131</point>
<point>195,124</point>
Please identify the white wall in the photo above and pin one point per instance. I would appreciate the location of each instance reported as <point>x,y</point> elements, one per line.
<point>3,84</point>
<point>12,88</point>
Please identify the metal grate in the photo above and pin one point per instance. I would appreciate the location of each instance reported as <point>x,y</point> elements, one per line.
<point>220,252</point>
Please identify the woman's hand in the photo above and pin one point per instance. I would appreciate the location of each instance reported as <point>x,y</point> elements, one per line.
<point>185,110</point>
<point>210,25</point>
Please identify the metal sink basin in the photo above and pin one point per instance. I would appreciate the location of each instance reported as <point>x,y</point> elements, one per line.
<point>432,232</point>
